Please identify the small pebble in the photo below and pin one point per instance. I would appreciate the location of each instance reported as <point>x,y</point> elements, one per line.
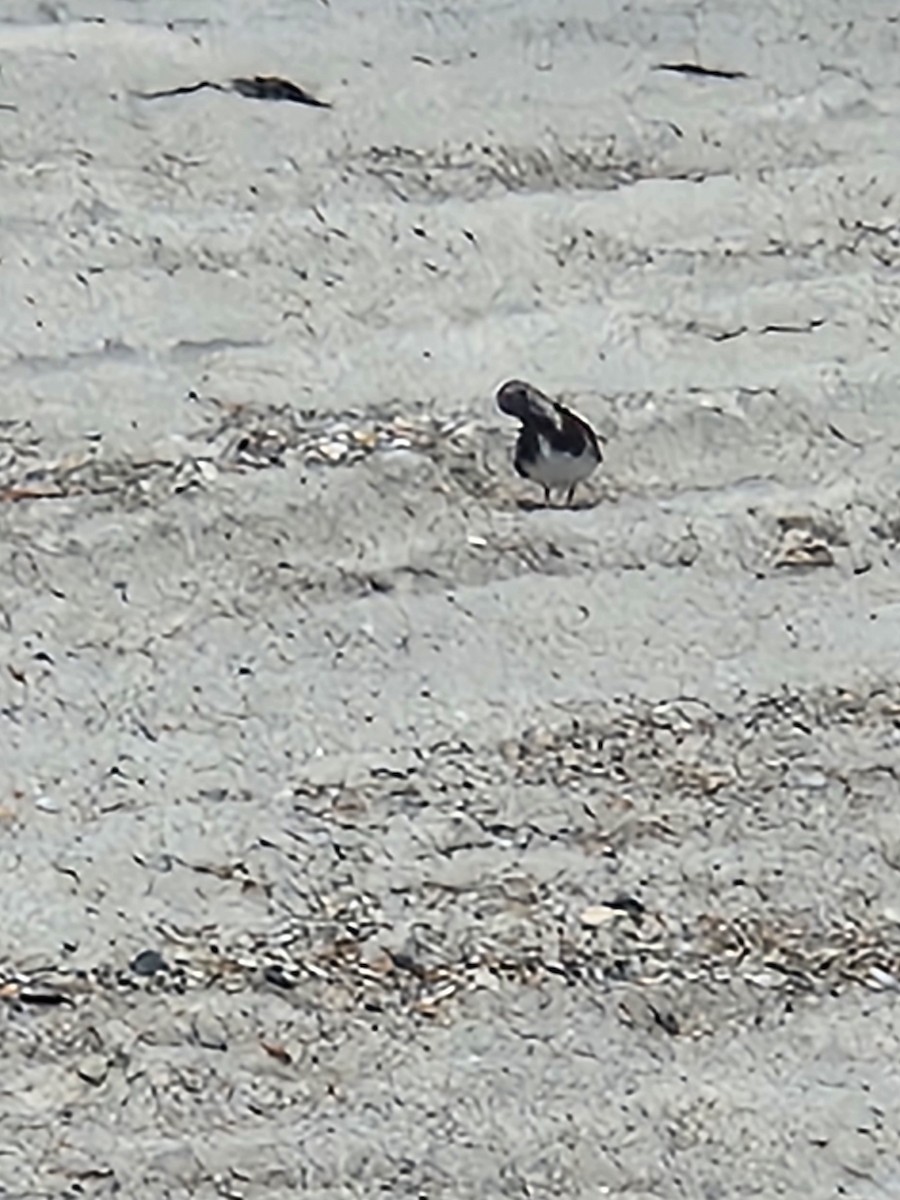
<point>93,1069</point>
<point>209,1032</point>
<point>275,975</point>
<point>148,962</point>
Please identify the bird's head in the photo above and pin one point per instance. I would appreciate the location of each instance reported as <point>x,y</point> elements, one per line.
<point>515,398</point>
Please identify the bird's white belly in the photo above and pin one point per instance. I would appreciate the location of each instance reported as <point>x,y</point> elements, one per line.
<point>555,470</point>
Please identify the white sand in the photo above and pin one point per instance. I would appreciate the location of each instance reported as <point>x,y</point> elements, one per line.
<point>260,714</point>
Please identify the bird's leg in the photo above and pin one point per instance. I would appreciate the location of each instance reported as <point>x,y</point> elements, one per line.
<point>570,496</point>
<point>546,497</point>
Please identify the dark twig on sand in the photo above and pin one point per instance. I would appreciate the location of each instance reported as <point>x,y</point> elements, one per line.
<point>259,87</point>
<point>683,68</point>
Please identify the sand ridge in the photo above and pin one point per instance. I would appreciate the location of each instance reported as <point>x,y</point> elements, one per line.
<point>363,828</point>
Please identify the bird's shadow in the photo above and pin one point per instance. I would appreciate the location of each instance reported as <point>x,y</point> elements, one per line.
<point>527,504</point>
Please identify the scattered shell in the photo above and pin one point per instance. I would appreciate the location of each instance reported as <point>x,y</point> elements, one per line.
<point>800,548</point>
<point>881,981</point>
<point>93,1069</point>
<point>764,979</point>
<point>208,470</point>
<point>365,437</point>
<point>244,437</point>
<point>482,977</point>
<point>596,915</point>
<point>332,451</point>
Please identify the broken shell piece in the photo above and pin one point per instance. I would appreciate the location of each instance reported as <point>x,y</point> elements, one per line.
<point>332,452</point>
<point>366,437</point>
<point>800,548</point>
<point>208,471</point>
<point>596,915</point>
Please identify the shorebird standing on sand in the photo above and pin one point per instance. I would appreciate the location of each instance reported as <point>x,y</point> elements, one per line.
<point>555,448</point>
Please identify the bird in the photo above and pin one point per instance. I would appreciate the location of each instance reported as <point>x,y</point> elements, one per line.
<point>555,447</point>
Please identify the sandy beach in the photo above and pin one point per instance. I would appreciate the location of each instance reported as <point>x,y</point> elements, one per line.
<point>365,828</point>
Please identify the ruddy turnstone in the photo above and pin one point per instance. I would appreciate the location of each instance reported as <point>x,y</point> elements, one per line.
<point>555,448</point>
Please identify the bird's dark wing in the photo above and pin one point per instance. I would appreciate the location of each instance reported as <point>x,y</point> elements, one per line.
<point>561,428</point>
<point>576,434</point>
